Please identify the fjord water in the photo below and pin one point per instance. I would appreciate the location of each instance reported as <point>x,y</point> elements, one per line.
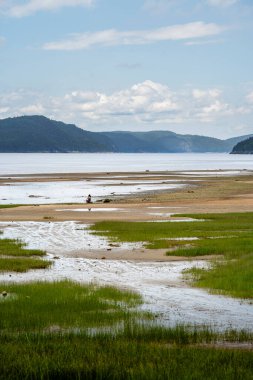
<point>41,163</point>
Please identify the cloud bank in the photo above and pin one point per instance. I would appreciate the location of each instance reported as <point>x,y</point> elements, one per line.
<point>113,37</point>
<point>143,106</point>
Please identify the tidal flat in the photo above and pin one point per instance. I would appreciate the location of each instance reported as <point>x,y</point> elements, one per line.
<point>67,330</point>
<point>66,321</point>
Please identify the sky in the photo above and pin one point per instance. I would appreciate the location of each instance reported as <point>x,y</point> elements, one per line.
<point>139,65</point>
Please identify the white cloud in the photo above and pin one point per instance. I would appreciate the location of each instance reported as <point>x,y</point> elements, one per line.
<point>113,37</point>
<point>206,94</point>
<point>250,98</point>
<point>208,105</point>
<point>141,102</point>
<point>141,99</point>
<point>222,3</point>
<point>204,42</point>
<point>33,6</point>
<point>33,109</point>
<point>215,107</point>
<point>4,110</point>
<point>143,106</point>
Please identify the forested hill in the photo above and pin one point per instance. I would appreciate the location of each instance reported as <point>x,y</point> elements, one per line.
<point>244,147</point>
<point>40,134</point>
<point>169,142</point>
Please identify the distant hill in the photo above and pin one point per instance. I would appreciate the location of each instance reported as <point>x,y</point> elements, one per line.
<point>165,142</point>
<point>244,147</point>
<point>39,134</point>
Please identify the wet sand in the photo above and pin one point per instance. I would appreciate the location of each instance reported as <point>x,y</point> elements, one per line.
<point>77,255</point>
<point>162,286</point>
<point>213,194</point>
<point>128,212</point>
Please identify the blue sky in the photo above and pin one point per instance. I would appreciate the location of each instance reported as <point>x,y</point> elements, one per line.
<point>179,65</point>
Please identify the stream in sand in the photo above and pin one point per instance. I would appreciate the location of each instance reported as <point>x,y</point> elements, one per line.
<point>160,283</point>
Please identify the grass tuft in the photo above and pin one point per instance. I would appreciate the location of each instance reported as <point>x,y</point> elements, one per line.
<point>16,258</point>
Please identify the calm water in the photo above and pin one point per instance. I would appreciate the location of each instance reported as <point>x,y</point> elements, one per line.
<point>32,163</point>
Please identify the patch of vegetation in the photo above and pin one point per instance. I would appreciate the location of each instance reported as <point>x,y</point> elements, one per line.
<point>69,331</point>
<point>106,357</point>
<point>232,277</point>
<point>37,307</point>
<point>22,264</point>
<point>15,257</point>
<point>9,206</point>
<point>206,189</point>
<point>227,235</point>
<point>11,247</point>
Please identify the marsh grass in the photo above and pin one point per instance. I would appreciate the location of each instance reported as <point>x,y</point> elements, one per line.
<point>29,349</point>
<point>11,247</point>
<point>14,256</point>
<point>229,236</point>
<point>35,307</point>
<point>104,357</point>
<point>230,277</point>
<point>214,226</point>
<point>22,264</point>
<point>9,206</point>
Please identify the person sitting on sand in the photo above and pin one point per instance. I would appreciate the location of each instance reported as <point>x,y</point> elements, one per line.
<point>88,200</point>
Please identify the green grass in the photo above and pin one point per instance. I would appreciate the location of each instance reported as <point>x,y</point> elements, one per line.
<point>15,257</point>
<point>55,331</point>
<point>9,206</point>
<point>11,247</point>
<point>22,264</point>
<point>227,235</point>
<point>215,225</point>
<point>229,277</point>
<point>36,307</point>
<point>104,357</point>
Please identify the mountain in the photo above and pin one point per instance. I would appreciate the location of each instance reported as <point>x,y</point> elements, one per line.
<point>39,134</point>
<point>168,142</point>
<point>244,147</point>
<point>164,142</point>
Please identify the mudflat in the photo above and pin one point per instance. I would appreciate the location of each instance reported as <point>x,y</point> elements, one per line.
<point>202,193</point>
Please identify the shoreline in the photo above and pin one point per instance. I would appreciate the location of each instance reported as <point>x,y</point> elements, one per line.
<point>157,277</point>
<point>222,194</point>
